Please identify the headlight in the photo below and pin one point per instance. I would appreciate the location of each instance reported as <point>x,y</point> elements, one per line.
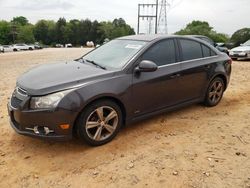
<point>231,53</point>
<point>49,101</point>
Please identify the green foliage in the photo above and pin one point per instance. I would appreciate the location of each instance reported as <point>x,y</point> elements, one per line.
<point>240,36</point>
<point>77,32</point>
<point>44,31</point>
<point>115,29</point>
<point>203,28</point>
<point>26,35</point>
<point>20,20</point>
<point>5,32</point>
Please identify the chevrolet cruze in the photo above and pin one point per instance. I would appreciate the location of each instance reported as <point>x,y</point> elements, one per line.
<point>123,81</point>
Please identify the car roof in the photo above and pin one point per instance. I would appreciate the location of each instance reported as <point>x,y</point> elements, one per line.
<point>153,37</point>
<point>147,37</point>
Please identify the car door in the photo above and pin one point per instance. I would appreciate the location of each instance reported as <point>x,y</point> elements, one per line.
<point>195,67</point>
<point>156,90</point>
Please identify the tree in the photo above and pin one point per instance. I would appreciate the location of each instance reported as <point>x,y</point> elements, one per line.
<point>26,35</point>
<point>196,28</point>
<point>203,28</point>
<point>5,32</point>
<point>44,31</point>
<point>48,32</point>
<point>60,29</point>
<point>20,20</point>
<point>240,36</point>
<point>115,29</point>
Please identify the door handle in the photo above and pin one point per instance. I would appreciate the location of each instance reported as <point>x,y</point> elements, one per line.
<point>175,75</point>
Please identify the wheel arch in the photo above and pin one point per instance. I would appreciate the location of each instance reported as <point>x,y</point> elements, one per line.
<point>222,76</point>
<point>111,98</point>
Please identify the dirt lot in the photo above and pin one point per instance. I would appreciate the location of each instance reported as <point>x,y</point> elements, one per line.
<point>192,147</point>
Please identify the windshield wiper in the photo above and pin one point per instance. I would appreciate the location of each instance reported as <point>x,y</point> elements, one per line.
<point>94,63</point>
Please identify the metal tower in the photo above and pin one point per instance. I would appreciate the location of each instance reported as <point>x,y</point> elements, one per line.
<point>163,22</point>
<point>148,13</point>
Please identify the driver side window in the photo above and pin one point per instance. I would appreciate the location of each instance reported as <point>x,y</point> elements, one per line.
<point>162,53</point>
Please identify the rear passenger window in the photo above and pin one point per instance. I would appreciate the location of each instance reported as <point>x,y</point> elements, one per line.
<point>207,52</point>
<point>162,53</point>
<point>190,49</point>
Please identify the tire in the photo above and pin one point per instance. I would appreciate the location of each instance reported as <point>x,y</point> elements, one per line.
<point>234,59</point>
<point>15,50</point>
<point>30,48</point>
<point>105,121</point>
<point>215,92</point>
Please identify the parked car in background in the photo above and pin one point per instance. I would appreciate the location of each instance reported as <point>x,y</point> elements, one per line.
<point>1,49</point>
<point>59,46</point>
<point>8,48</point>
<point>38,46</point>
<point>241,52</point>
<point>90,44</point>
<point>31,46</point>
<point>122,81</point>
<point>221,48</point>
<point>18,47</point>
<point>68,45</point>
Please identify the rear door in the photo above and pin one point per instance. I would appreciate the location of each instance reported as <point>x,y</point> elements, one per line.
<point>195,66</point>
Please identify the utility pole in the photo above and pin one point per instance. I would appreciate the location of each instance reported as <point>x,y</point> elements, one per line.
<point>147,16</point>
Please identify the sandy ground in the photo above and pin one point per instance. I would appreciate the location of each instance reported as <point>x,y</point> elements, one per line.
<point>192,147</point>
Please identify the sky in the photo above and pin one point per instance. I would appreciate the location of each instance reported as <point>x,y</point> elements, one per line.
<point>226,16</point>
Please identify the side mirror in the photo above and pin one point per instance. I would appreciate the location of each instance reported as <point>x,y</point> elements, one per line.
<point>146,66</point>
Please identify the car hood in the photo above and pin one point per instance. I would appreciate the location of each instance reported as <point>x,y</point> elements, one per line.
<point>51,78</point>
<point>241,48</point>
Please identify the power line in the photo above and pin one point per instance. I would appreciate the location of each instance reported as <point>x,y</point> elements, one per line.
<point>160,19</point>
<point>142,8</point>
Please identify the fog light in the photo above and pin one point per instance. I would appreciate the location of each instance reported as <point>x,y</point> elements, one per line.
<point>40,130</point>
<point>64,126</point>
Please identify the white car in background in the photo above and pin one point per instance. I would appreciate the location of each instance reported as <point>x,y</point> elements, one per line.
<point>18,47</point>
<point>7,48</point>
<point>68,45</point>
<point>1,49</point>
<point>241,52</point>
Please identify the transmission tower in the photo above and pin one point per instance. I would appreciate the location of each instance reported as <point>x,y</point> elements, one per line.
<point>163,22</point>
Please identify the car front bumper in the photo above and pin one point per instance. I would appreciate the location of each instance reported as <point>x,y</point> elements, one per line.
<point>240,56</point>
<point>41,124</point>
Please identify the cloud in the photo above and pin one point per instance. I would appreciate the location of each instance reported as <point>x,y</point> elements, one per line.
<point>44,5</point>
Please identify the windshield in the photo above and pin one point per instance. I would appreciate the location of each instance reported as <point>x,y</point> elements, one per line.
<point>116,53</point>
<point>247,43</point>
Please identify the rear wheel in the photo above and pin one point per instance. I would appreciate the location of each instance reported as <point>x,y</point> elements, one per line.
<point>215,92</point>
<point>99,123</point>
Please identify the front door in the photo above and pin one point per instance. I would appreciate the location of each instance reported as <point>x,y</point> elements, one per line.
<point>153,91</point>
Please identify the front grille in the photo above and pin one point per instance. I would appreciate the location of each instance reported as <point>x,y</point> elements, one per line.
<point>15,102</point>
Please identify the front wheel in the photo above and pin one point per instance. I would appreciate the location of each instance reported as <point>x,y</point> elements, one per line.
<point>99,123</point>
<point>215,92</point>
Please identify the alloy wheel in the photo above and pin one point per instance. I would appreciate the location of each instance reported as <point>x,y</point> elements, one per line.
<point>101,123</point>
<point>216,92</point>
